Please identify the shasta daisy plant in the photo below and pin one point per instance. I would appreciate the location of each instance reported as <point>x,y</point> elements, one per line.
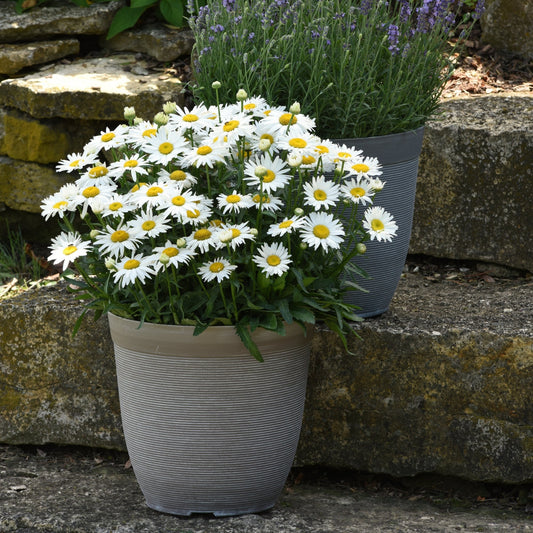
<point>217,215</point>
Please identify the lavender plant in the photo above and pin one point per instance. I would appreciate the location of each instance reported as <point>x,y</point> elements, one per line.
<point>362,68</point>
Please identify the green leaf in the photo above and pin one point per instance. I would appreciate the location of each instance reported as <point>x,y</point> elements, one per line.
<point>244,334</point>
<point>283,306</point>
<point>125,18</point>
<point>269,321</point>
<point>172,11</point>
<point>142,3</point>
<point>303,314</point>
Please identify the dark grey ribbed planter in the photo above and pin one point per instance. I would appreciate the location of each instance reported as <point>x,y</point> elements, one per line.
<point>208,428</point>
<point>384,261</point>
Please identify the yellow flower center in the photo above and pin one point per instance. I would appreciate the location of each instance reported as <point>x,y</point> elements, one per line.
<point>202,234</point>
<point>344,155</point>
<point>91,192</point>
<point>193,214</point>
<point>269,176</point>
<point>321,231</point>
<point>308,160</point>
<point>69,250</point>
<point>74,163</point>
<point>261,199</point>
<point>60,204</point>
<point>132,163</point>
<point>285,224</point>
<point>131,264</point>
<point>148,225</point>
<point>297,143</point>
<point>106,137</point>
<point>154,191</point>
<point>287,118</point>
<point>178,200</point>
<point>178,175</point>
<point>204,150</point>
<point>190,117</point>
<point>216,223</point>
<point>137,186</point>
<point>98,172</point>
<point>268,136</point>
<point>120,236</point>
<point>235,233</point>
<point>321,149</point>
<point>377,224</point>
<point>115,206</point>
<point>358,192</point>
<point>171,251</point>
<point>360,167</point>
<point>249,106</point>
<point>165,148</point>
<point>320,195</point>
<point>216,267</point>
<point>149,132</point>
<point>233,199</point>
<point>273,260</point>
<point>231,125</point>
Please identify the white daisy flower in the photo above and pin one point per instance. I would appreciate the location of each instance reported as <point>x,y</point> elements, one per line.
<point>133,166</point>
<point>179,202</point>
<point>177,177</point>
<point>255,106</point>
<point>207,154</point>
<point>238,234</point>
<point>88,195</point>
<point>96,175</point>
<point>234,126</point>
<point>276,177</point>
<point>147,224</point>
<point>343,153</point>
<point>358,191</point>
<point>218,269</point>
<point>322,230</point>
<point>108,139</point>
<point>379,224</point>
<point>203,239</point>
<point>287,225</point>
<point>272,259</point>
<point>233,203</point>
<point>57,204</point>
<point>115,242</point>
<point>66,248</point>
<point>267,202</point>
<point>165,146</point>
<point>196,119</point>
<point>118,205</point>
<point>298,142</point>
<point>175,255</point>
<point>321,193</point>
<point>76,161</point>
<point>140,133</point>
<point>151,195</point>
<point>131,269</point>
<point>363,166</point>
<point>266,132</point>
<point>200,214</point>
<point>283,119</point>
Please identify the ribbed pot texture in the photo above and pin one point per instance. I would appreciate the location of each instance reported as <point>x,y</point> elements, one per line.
<point>399,155</point>
<point>208,428</point>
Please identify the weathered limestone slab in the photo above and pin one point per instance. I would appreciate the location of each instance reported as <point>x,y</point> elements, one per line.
<point>44,141</point>
<point>158,41</point>
<point>475,182</point>
<point>441,383</point>
<point>91,89</point>
<point>23,185</point>
<point>54,18</point>
<point>15,57</point>
<point>508,25</point>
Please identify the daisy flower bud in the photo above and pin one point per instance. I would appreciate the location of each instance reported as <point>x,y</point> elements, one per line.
<point>295,108</point>
<point>161,119</point>
<point>110,264</point>
<point>303,246</point>
<point>94,233</point>
<point>294,160</point>
<point>129,113</point>
<point>360,247</point>
<point>260,171</point>
<point>264,144</point>
<point>254,232</point>
<point>216,85</point>
<point>225,236</point>
<point>137,120</point>
<point>181,243</point>
<point>169,107</point>
<point>164,258</point>
<point>299,211</point>
<point>241,95</point>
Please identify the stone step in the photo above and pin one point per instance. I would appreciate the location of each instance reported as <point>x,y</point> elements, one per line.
<point>440,383</point>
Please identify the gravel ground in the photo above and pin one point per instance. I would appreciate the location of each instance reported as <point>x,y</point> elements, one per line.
<point>79,490</point>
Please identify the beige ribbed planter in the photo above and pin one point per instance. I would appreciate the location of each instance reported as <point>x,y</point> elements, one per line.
<point>209,429</point>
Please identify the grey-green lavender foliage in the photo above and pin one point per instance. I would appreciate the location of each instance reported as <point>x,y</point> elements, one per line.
<point>361,68</point>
